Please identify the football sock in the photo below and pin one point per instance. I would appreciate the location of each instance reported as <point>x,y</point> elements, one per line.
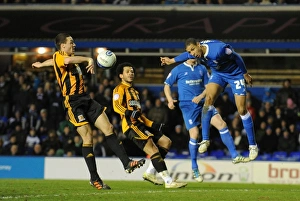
<point>249,128</point>
<point>118,148</point>
<point>228,141</point>
<point>151,169</point>
<point>163,152</point>
<point>166,176</point>
<point>207,113</point>
<point>158,162</point>
<point>88,154</point>
<point>193,148</point>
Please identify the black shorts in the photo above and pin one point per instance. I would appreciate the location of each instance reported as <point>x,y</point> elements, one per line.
<point>139,134</point>
<point>82,109</point>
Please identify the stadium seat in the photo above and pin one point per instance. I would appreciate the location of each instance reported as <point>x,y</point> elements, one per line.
<point>279,155</point>
<point>217,153</point>
<point>264,157</point>
<point>294,156</point>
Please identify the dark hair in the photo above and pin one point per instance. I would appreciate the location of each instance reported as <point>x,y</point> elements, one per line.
<point>120,68</point>
<point>190,41</point>
<point>61,38</point>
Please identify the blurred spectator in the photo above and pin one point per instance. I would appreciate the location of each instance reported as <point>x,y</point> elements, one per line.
<point>240,141</point>
<point>291,111</point>
<point>256,103</point>
<point>55,107</point>
<point>21,137</point>
<point>63,124</point>
<point>33,118</point>
<point>31,140</point>
<point>99,146</point>
<point>146,95</point>
<point>67,139</point>
<point>37,150</point>
<point>260,132</point>
<point>251,109</point>
<point>269,109</point>
<point>40,99</point>
<point>8,144</point>
<point>179,139</point>
<point>14,150</point>
<point>146,107</point>
<point>251,3</point>
<point>22,97</point>
<point>1,147</point>
<point>4,97</point>
<point>286,142</point>
<point>158,113</point>
<point>269,142</point>
<point>227,107</point>
<point>77,145</point>
<point>278,117</point>
<point>284,93</point>
<point>236,124</point>
<point>45,124</point>
<point>269,96</point>
<point>51,144</point>
<point>18,118</point>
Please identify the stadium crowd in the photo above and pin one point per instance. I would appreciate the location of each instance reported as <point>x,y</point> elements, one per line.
<point>32,122</point>
<point>138,2</point>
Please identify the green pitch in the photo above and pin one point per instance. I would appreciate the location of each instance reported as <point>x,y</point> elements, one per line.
<point>15,189</point>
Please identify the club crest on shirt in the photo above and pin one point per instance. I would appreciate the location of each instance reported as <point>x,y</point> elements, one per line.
<point>116,96</point>
<point>80,118</point>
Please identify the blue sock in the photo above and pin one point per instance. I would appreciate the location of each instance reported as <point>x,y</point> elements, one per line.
<point>249,128</point>
<point>228,141</point>
<point>193,147</point>
<point>207,113</point>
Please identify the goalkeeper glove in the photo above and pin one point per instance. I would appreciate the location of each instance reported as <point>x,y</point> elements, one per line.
<point>135,114</point>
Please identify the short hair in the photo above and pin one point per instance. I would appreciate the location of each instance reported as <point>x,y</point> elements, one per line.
<point>120,68</point>
<point>61,38</point>
<point>190,41</point>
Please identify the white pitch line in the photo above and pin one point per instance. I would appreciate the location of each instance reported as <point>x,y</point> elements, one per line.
<point>140,192</point>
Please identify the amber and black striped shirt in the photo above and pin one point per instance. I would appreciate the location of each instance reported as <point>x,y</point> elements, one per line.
<point>125,97</point>
<point>69,76</point>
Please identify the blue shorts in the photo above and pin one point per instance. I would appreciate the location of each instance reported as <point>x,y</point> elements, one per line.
<point>191,113</point>
<point>236,82</point>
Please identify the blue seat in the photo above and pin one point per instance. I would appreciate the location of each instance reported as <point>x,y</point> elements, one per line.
<point>279,155</point>
<point>295,155</point>
<point>264,157</point>
<point>217,153</point>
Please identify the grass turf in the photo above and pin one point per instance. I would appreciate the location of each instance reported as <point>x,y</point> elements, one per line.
<point>28,189</point>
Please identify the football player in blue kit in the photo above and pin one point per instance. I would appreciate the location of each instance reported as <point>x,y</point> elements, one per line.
<point>191,79</point>
<point>227,67</point>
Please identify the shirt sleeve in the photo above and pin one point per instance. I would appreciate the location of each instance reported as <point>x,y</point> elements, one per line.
<point>183,57</point>
<point>236,57</point>
<point>118,95</point>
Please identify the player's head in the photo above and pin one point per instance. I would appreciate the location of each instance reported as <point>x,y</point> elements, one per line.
<point>192,46</point>
<point>125,71</point>
<point>191,61</point>
<point>65,42</point>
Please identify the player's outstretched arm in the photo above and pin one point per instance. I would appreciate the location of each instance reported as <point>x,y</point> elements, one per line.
<point>46,63</point>
<point>80,59</point>
<point>166,61</point>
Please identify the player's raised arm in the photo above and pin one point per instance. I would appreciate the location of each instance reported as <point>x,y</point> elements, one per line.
<point>81,59</point>
<point>166,61</point>
<point>46,63</point>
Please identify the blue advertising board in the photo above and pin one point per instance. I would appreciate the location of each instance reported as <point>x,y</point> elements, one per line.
<point>22,167</point>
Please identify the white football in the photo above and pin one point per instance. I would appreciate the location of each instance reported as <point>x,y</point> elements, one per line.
<point>106,59</point>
